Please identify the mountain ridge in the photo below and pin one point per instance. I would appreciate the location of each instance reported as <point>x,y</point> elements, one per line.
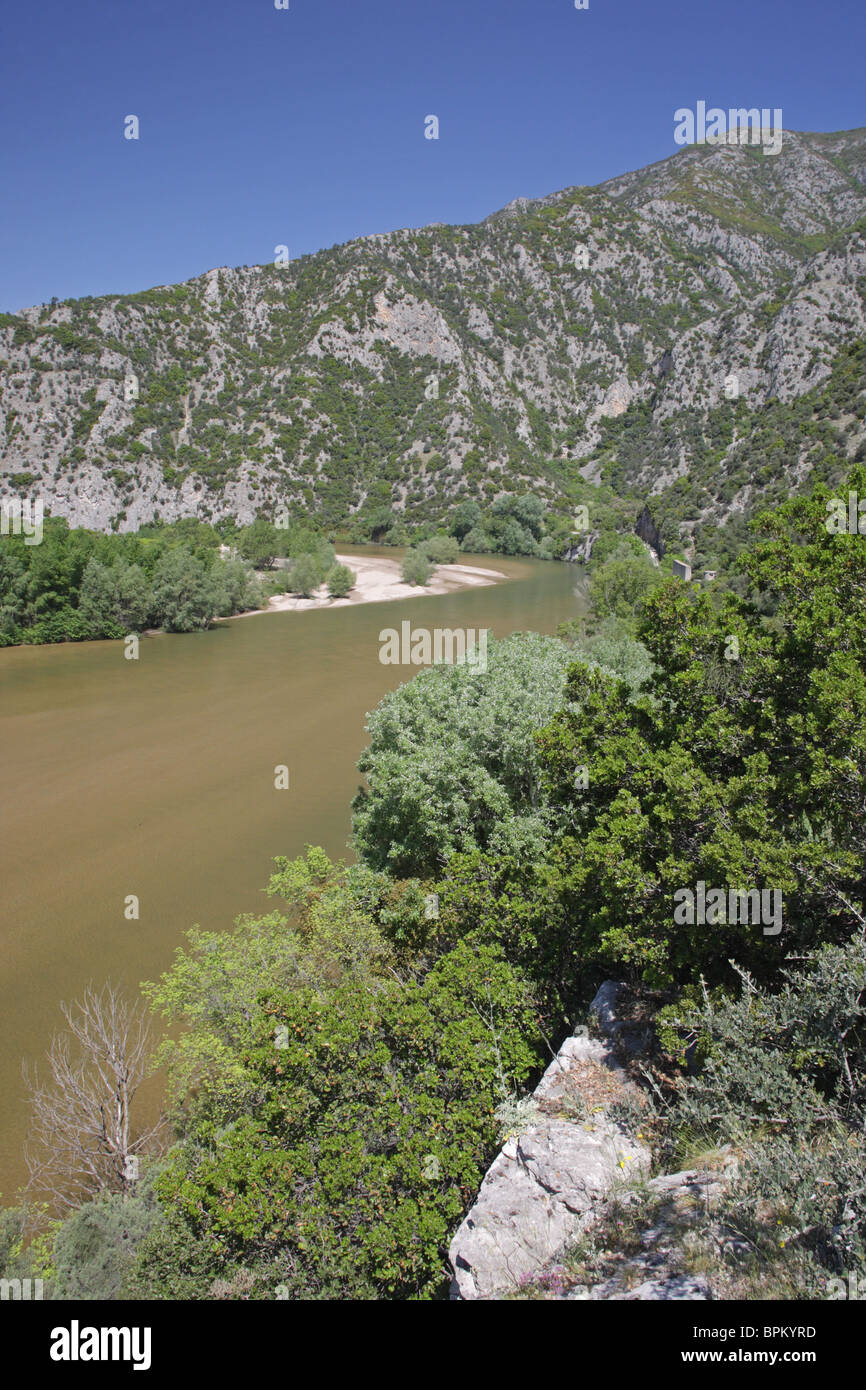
<point>406,371</point>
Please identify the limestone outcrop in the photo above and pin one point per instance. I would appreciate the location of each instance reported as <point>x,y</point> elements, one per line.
<point>546,1217</point>
<point>548,1183</point>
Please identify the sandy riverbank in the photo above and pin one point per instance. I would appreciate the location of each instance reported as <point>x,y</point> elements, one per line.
<point>379,581</point>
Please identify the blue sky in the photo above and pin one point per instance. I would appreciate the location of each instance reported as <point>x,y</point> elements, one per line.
<point>305,127</point>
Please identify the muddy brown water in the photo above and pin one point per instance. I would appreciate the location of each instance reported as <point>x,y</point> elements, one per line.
<point>156,778</point>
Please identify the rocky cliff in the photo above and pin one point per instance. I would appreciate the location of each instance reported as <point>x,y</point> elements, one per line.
<point>640,331</point>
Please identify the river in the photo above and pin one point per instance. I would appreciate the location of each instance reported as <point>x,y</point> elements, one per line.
<point>155,778</point>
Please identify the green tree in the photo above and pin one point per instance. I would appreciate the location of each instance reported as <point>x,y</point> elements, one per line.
<point>372,1128</point>
<point>306,575</point>
<point>452,763</point>
<point>134,598</point>
<point>260,543</point>
<point>620,585</point>
<point>239,586</point>
<point>212,988</point>
<point>335,1107</point>
<point>526,510</point>
<point>742,767</point>
<point>97,601</point>
<point>417,569</point>
<point>341,581</point>
<point>513,539</point>
<point>465,518</point>
<point>185,595</point>
<point>440,550</point>
<point>477,542</point>
<point>612,646</point>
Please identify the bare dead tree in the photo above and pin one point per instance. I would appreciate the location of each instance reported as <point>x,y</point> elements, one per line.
<point>82,1140</point>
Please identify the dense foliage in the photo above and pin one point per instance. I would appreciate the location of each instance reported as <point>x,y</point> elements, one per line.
<point>742,767</point>
<point>783,1080</point>
<point>335,1065</point>
<point>78,584</point>
<point>452,763</point>
<point>299,1170</point>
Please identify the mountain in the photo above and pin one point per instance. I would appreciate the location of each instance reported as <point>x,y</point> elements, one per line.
<point>582,337</point>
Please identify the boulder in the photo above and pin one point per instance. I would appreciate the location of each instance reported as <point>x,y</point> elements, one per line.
<point>547,1184</point>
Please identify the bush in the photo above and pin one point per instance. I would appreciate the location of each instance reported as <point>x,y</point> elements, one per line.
<point>305,576</point>
<point>259,543</point>
<point>452,762</point>
<point>240,589</point>
<point>67,625</point>
<point>477,542</point>
<point>612,647</point>
<point>186,596</point>
<point>340,581</point>
<point>95,1248</point>
<point>441,550</point>
<point>372,1127</point>
<point>416,568</point>
<point>784,1079</point>
<point>14,1263</point>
